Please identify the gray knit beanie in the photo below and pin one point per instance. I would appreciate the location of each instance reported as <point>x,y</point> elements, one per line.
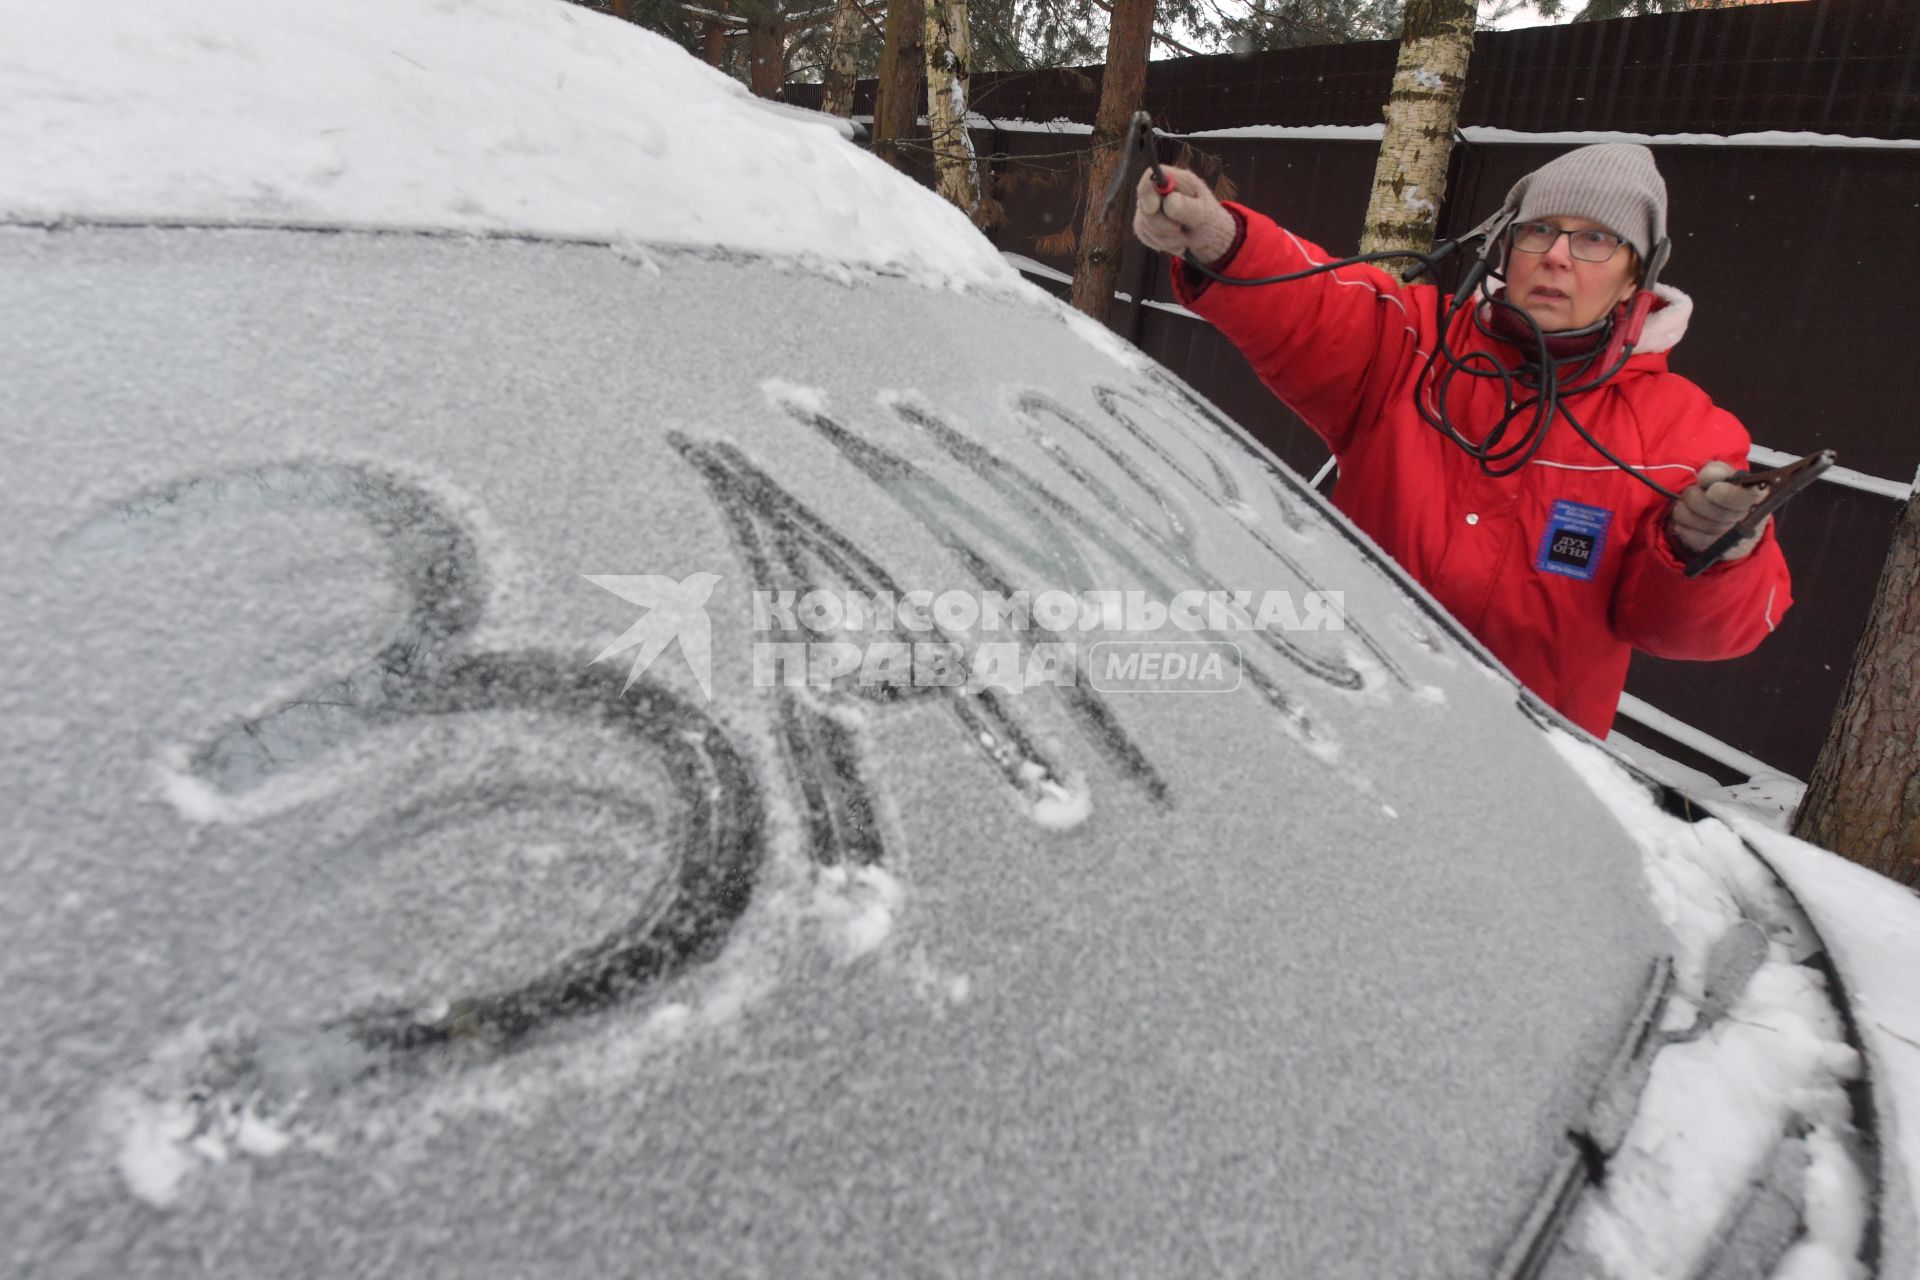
<point>1613,183</point>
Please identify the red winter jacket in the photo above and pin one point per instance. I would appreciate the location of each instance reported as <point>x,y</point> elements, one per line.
<point>1560,569</point>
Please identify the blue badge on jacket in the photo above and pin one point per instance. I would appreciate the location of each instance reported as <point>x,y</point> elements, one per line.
<point>1576,535</point>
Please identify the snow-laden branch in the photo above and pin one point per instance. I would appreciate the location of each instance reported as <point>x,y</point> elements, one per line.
<point>714,14</point>
<point>793,20</point>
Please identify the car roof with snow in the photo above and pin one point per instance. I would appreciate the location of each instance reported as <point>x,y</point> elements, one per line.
<point>438,852</point>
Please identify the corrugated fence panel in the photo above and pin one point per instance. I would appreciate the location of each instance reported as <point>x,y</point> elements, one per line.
<point>1828,66</point>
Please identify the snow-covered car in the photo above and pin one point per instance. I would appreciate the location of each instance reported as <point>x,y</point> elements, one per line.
<point>594,686</point>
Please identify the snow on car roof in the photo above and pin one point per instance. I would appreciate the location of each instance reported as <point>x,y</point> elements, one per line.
<point>527,117</point>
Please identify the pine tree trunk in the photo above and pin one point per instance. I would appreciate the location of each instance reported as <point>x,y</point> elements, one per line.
<point>1097,262</point>
<point>955,167</point>
<point>1410,180</point>
<point>843,52</point>
<point>898,96</point>
<point>713,35</point>
<point>766,51</point>
<point>1863,801</point>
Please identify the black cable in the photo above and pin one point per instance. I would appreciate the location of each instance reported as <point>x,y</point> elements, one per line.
<point>1549,401</point>
<point>1494,456</point>
<point>1194,264</point>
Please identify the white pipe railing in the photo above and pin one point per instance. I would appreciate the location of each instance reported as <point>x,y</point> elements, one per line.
<point>1705,743</point>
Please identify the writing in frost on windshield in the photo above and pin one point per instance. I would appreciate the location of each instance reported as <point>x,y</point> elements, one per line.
<point>430,673</point>
<point>1035,531</point>
<point>429,670</point>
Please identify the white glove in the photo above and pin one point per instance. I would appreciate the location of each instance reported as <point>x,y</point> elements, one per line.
<point>1186,220</point>
<point>1710,506</point>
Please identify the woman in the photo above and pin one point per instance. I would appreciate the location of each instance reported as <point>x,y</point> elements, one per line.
<point>1559,560</point>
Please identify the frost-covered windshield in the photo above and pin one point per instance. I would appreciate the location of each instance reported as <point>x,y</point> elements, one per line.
<point>468,815</point>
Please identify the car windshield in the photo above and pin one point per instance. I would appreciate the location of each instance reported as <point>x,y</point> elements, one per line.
<point>355,911</point>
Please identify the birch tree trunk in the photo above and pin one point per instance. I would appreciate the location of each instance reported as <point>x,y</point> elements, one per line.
<point>1410,179</point>
<point>1863,801</point>
<point>843,49</point>
<point>956,169</point>
<point>897,97</point>
<point>1097,260</point>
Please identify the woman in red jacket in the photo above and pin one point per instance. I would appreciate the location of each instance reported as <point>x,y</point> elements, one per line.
<point>1542,543</point>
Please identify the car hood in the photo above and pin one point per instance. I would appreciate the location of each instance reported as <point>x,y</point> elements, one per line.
<point>1313,974</point>
<point>517,117</point>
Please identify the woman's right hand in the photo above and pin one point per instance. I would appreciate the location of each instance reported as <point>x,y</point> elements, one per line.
<point>1185,220</point>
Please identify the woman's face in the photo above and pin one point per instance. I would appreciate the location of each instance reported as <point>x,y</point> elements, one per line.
<point>1561,291</point>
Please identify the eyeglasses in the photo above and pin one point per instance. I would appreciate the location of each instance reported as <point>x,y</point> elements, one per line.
<point>1592,245</point>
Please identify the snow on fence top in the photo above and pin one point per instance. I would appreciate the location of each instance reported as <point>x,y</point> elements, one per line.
<point>528,117</point>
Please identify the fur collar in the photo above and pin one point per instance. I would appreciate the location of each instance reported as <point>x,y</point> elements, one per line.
<point>1668,322</point>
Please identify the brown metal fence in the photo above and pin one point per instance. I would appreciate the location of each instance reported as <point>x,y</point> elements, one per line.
<point>1797,256</point>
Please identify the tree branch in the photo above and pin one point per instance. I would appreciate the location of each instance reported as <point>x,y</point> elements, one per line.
<point>1107,7</point>
<point>1176,46</point>
<point>798,21</point>
<point>714,14</point>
